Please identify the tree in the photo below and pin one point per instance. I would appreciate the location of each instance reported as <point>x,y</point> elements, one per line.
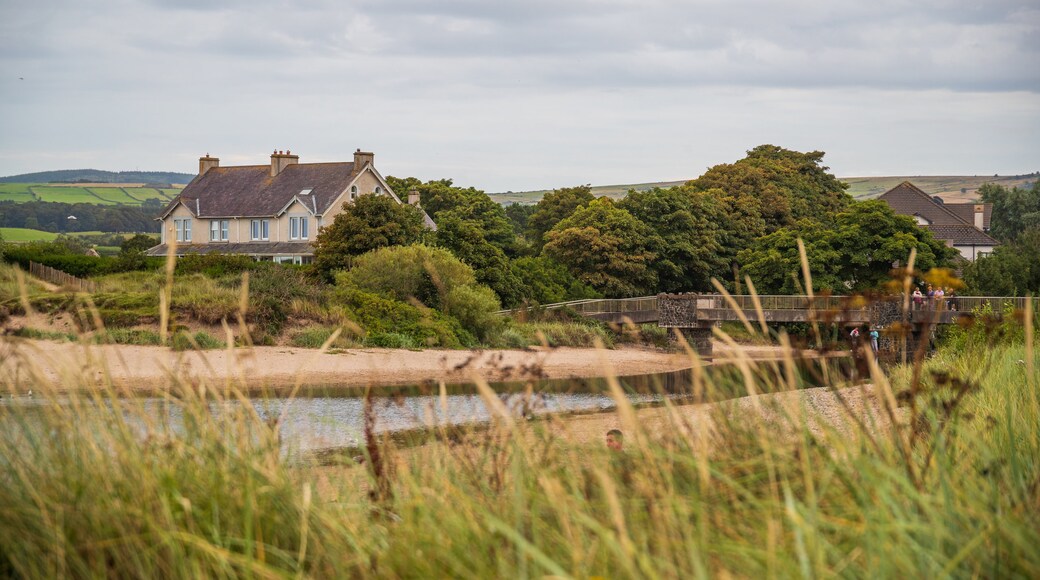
<point>466,239</point>
<point>607,248</point>
<point>367,223</point>
<point>1014,211</point>
<point>856,253</point>
<point>789,185</point>
<point>688,222</point>
<point>519,214</point>
<point>545,281</point>
<point>1012,269</point>
<point>137,243</point>
<point>554,207</point>
<point>442,199</point>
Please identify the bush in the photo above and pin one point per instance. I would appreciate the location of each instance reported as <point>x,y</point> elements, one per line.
<point>316,336</point>
<point>378,315</point>
<point>216,265</point>
<point>198,341</point>
<point>474,307</point>
<point>403,273</point>
<point>78,265</point>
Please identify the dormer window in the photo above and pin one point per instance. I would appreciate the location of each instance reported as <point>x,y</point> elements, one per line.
<point>921,220</point>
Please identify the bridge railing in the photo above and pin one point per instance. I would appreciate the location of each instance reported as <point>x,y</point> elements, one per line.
<point>783,302</point>
<point>601,305</point>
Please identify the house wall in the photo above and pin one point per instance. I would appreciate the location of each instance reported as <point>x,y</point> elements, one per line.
<point>366,183</point>
<point>239,229</point>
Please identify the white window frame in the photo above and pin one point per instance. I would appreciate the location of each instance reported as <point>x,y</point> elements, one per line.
<point>219,230</point>
<point>260,230</point>
<point>353,192</point>
<point>298,228</point>
<point>379,190</point>
<point>182,227</point>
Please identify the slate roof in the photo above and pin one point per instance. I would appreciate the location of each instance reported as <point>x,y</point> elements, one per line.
<point>907,199</point>
<point>249,248</point>
<point>946,221</point>
<point>963,235</point>
<point>966,211</point>
<point>250,191</point>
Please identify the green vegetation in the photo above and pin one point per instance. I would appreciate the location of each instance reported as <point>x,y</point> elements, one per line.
<point>26,235</point>
<point>941,484</point>
<point>368,223</point>
<point>67,195</point>
<point>113,195</point>
<point>99,176</point>
<point>1013,269</point>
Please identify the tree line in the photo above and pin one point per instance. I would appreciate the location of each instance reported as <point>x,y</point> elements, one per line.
<point>58,217</point>
<point>738,219</point>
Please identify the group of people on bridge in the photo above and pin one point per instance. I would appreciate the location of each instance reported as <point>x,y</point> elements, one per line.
<point>934,299</point>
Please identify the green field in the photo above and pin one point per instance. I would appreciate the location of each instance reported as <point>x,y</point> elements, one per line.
<point>100,195</point>
<point>145,193</point>
<point>114,195</point>
<point>26,235</point>
<point>68,195</point>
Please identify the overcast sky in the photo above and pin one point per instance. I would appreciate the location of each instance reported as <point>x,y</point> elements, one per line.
<point>522,94</point>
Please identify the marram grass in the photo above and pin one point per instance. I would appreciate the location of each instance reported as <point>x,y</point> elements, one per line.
<point>95,485</point>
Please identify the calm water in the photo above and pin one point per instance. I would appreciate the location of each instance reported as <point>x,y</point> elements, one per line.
<point>333,416</point>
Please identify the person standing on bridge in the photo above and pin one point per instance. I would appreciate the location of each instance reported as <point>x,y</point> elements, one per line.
<point>874,340</point>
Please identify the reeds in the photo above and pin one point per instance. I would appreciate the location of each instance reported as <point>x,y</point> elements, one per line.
<point>842,480</point>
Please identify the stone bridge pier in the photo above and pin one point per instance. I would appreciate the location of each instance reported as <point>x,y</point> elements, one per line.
<point>680,311</point>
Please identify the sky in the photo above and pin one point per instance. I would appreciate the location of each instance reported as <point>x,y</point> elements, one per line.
<point>508,95</point>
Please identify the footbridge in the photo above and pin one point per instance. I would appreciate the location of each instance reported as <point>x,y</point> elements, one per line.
<point>695,314</point>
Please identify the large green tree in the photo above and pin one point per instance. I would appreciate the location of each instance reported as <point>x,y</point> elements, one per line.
<point>607,248</point>
<point>467,239</point>
<point>789,185</point>
<point>554,207</point>
<point>854,252</point>
<point>688,222</point>
<point>545,281</point>
<point>1014,210</point>
<point>1013,269</point>
<point>367,223</point>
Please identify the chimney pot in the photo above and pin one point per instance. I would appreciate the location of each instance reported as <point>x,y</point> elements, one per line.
<point>280,160</point>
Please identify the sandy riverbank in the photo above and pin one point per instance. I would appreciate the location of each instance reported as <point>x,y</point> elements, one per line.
<point>68,365</point>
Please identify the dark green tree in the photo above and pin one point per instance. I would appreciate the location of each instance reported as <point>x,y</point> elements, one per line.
<point>367,223</point>
<point>854,253</point>
<point>137,243</point>
<point>1012,269</point>
<point>554,207</point>
<point>466,239</point>
<point>688,222</point>
<point>607,248</point>
<point>545,281</point>
<point>518,215</point>
<point>789,185</point>
<point>1014,211</point>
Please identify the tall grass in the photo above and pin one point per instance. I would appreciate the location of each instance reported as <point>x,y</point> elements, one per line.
<point>935,472</point>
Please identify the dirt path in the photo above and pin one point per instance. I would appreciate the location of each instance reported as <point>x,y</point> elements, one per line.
<point>73,366</point>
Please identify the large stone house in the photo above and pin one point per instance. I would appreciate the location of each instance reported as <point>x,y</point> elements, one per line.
<point>268,212</point>
<point>961,225</point>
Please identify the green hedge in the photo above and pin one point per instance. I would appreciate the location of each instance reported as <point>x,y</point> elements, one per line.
<point>79,265</point>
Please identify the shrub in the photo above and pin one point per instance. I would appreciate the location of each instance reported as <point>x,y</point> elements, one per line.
<point>216,265</point>
<point>378,315</point>
<point>474,307</point>
<point>198,341</point>
<point>403,273</point>
<point>316,336</point>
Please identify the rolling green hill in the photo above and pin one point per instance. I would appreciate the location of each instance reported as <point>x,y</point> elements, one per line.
<point>136,194</point>
<point>16,235</point>
<point>99,176</point>
<point>952,188</point>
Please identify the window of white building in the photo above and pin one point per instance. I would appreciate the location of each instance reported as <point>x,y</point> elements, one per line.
<point>298,228</point>
<point>260,230</point>
<point>183,228</point>
<point>219,230</point>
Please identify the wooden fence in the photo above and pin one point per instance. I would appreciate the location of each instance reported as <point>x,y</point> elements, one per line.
<point>63,279</point>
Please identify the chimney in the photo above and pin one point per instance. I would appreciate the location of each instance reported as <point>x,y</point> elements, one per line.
<point>206,163</point>
<point>413,198</point>
<point>362,158</point>
<point>280,161</point>
<point>980,215</point>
